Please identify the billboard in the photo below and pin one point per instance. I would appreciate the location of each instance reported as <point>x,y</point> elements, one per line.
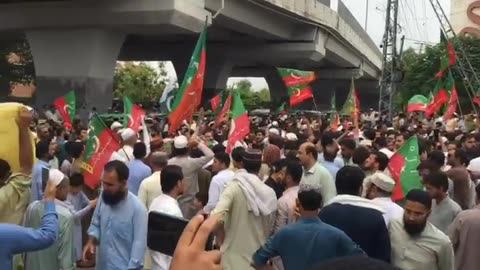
<point>465,17</point>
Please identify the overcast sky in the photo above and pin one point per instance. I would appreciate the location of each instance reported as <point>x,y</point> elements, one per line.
<point>416,18</point>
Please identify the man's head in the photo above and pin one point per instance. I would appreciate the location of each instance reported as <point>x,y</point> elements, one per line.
<point>329,146</point>
<point>400,139</point>
<point>347,146</point>
<point>361,157</point>
<point>5,171</point>
<point>309,200</point>
<point>417,209</point>
<point>158,160</point>
<point>380,161</point>
<point>457,157</point>
<point>293,174</point>
<point>469,142</point>
<point>437,158</point>
<point>180,146</point>
<point>221,161</point>
<point>76,183</point>
<point>139,150</point>
<point>129,137</point>
<point>349,180</point>
<point>62,183</point>
<point>252,161</point>
<point>259,136</point>
<point>278,170</point>
<point>379,185</point>
<point>208,136</point>
<point>114,182</point>
<point>436,184</point>
<point>237,157</point>
<point>45,150</point>
<point>172,180</point>
<point>43,132</point>
<point>307,153</point>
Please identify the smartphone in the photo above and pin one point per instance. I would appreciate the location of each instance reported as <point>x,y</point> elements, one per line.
<point>165,230</point>
<point>45,176</point>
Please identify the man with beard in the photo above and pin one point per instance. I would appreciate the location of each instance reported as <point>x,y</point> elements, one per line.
<point>119,224</point>
<point>61,254</point>
<point>361,157</point>
<point>469,144</point>
<point>330,151</point>
<point>463,187</point>
<point>172,186</point>
<point>379,188</point>
<point>347,147</point>
<point>44,152</point>
<point>416,243</point>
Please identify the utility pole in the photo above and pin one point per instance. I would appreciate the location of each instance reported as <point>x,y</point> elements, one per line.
<point>391,63</point>
<point>366,15</point>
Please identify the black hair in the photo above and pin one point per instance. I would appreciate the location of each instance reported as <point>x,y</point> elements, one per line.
<point>437,179</point>
<point>238,153</point>
<point>76,180</point>
<point>419,196</point>
<point>223,158</point>
<point>437,157</point>
<point>41,149</point>
<point>381,142</point>
<point>139,150</point>
<point>382,160</point>
<point>279,165</point>
<point>252,166</point>
<point>295,170</point>
<point>119,167</point>
<point>5,169</point>
<point>348,143</point>
<point>202,197</point>
<point>218,148</point>
<point>276,140</point>
<point>349,180</point>
<point>170,177</point>
<point>327,139</point>
<point>74,149</point>
<point>360,154</point>
<point>462,156</point>
<point>369,133</point>
<point>310,200</point>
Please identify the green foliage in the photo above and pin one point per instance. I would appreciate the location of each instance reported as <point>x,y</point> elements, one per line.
<point>252,99</point>
<point>139,81</point>
<point>21,70</point>
<point>419,71</point>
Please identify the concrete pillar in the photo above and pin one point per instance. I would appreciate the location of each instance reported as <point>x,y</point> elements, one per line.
<point>278,90</point>
<point>82,60</point>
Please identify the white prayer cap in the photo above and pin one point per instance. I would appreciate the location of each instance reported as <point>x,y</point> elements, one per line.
<point>474,165</point>
<point>366,143</point>
<point>115,125</point>
<point>291,136</point>
<point>274,131</point>
<point>382,181</point>
<point>180,142</point>
<point>55,176</point>
<point>127,134</point>
<point>275,123</point>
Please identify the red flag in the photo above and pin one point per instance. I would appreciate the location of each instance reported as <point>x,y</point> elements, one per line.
<point>452,103</point>
<point>440,97</point>
<point>66,106</point>
<point>240,126</point>
<point>215,102</point>
<point>297,82</point>
<point>133,115</point>
<point>447,60</point>
<point>224,111</point>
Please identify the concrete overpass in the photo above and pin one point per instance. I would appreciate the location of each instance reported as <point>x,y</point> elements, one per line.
<point>75,44</point>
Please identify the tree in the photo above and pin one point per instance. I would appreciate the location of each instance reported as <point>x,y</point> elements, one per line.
<point>252,99</point>
<point>16,63</point>
<point>139,81</point>
<point>419,71</point>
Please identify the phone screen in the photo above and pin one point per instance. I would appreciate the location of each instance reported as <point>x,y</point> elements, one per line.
<point>45,176</point>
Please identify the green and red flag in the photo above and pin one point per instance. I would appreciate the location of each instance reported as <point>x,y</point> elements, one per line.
<point>403,169</point>
<point>66,106</point>
<point>334,117</point>
<point>133,115</point>
<point>476,99</point>
<point>225,109</point>
<point>215,102</point>
<point>240,125</point>
<point>101,144</point>
<point>189,94</point>
<point>352,103</point>
<point>447,60</point>
<point>453,100</point>
<point>440,97</point>
<point>418,103</point>
<point>297,83</point>
<point>282,109</point>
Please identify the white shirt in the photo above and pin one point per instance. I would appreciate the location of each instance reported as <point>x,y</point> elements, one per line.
<point>217,186</point>
<point>126,152</point>
<point>392,210</point>
<point>150,188</point>
<point>167,205</point>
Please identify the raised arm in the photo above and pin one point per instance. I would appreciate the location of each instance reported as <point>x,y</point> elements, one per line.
<point>25,144</point>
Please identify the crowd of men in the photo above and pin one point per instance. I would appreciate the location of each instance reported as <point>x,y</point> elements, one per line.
<point>294,194</point>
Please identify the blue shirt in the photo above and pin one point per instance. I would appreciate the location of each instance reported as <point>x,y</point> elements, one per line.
<point>15,239</point>
<point>138,171</point>
<point>37,189</point>
<point>122,233</point>
<point>337,161</point>
<point>331,167</point>
<point>310,241</point>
